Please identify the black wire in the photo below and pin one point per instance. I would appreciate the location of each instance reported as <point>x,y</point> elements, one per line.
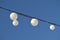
<point>29,16</point>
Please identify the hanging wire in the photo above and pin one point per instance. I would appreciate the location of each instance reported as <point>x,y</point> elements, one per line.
<point>29,16</point>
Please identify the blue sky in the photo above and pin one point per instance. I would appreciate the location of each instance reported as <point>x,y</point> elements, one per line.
<point>45,9</point>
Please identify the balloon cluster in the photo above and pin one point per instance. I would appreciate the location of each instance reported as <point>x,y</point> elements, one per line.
<point>34,22</point>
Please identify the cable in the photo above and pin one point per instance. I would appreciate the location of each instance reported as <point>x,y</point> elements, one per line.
<point>29,16</point>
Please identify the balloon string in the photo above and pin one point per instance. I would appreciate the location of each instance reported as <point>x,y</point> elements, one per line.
<point>29,16</point>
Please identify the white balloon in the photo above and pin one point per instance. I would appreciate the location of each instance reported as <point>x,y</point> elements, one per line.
<point>52,27</point>
<point>15,23</point>
<point>13,16</point>
<point>34,22</point>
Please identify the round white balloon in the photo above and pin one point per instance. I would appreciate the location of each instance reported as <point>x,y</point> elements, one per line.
<point>15,23</point>
<point>52,27</point>
<point>13,16</point>
<point>34,22</point>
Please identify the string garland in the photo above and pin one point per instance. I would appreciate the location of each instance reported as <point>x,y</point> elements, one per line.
<point>33,18</point>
